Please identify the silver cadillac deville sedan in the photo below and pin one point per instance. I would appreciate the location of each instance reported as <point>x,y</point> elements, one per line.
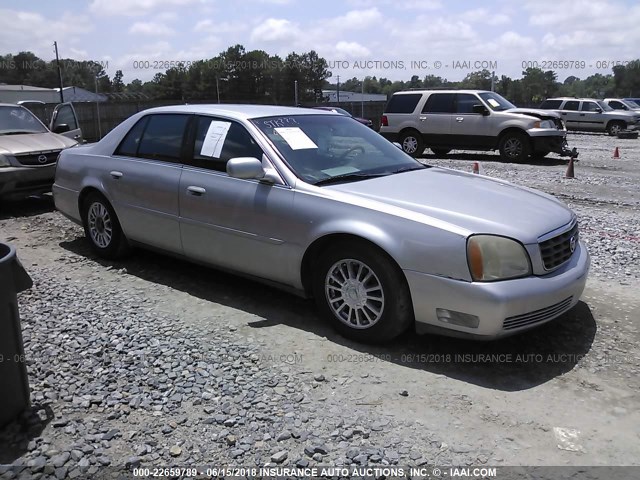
<point>316,203</point>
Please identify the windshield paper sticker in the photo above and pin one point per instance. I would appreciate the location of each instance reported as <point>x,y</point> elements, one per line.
<point>493,102</point>
<point>214,139</point>
<point>295,137</point>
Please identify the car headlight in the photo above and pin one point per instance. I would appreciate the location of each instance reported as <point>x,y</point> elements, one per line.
<point>496,258</point>
<point>4,161</point>
<point>544,124</point>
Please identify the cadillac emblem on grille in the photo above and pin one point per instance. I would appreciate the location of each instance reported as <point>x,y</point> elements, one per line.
<point>42,159</point>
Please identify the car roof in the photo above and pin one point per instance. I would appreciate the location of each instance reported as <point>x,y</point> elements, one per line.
<point>236,111</point>
<point>427,90</point>
<point>574,98</point>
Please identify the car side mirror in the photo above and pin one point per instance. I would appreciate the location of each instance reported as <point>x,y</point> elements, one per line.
<point>246,168</point>
<point>61,128</point>
<point>481,109</point>
<point>598,110</point>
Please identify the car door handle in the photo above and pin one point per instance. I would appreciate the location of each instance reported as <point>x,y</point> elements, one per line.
<point>562,113</point>
<point>75,137</point>
<point>459,119</point>
<point>197,191</point>
<point>422,119</point>
<point>115,174</point>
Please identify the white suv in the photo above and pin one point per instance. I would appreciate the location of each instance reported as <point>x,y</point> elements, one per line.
<point>443,120</point>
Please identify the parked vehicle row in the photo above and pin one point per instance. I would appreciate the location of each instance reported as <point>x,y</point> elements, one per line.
<point>443,120</point>
<point>590,115</point>
<point>317,203</point>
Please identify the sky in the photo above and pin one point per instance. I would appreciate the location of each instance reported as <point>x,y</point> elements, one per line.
<point>394,39</point>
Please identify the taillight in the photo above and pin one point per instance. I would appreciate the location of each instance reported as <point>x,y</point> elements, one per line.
<point>383,121</point>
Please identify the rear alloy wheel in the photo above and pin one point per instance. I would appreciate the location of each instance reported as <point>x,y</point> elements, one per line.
<point>102,229</point>
<point>614,128</point>
<point>514,147</point>
<point>412,143</point>
<point>362,293</point>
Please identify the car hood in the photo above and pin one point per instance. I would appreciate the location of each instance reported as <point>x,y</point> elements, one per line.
<point>534,112</point>
<point>33,143</point>
<point>474,203</point>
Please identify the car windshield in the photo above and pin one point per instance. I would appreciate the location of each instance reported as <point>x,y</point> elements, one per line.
<point>16,120</point>
<point>631,104</point>
<point>323,149</point>
<point>604,106</point>
<point>496,102</point>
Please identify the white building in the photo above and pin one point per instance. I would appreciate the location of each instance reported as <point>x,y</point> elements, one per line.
<point>16,93</point>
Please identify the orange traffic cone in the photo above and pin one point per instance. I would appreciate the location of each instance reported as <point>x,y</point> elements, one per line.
<point>569,173</point>
<point>476,168</point>
<point>616,153</point>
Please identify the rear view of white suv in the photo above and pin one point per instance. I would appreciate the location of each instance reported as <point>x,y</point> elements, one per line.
<point>443,120</point>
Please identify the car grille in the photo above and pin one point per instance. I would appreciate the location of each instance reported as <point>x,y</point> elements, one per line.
<point>537,316</point>
<point>38,159</point>
<point>558,249</point>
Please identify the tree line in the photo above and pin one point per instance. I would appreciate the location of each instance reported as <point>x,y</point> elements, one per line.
<point>238,75</point>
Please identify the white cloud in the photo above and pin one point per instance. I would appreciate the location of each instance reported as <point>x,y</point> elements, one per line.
<point>21,30</point>
<point>356,19</point>
<point>483,16</point>
<point>151,29</point>
<point>135,8</point>
<point>203,26</point>
<point>351,50</point>
<point>275,30</point>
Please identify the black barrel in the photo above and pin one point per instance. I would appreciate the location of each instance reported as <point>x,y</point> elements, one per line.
<point>14,383</point>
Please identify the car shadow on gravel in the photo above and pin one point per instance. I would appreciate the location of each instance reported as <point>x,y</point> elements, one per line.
<point>16,435</point>
<point>29,207</point>
<point>510,364</point>
<point>495,158</point>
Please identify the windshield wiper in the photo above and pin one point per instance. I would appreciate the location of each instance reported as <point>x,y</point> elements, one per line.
<point>410,169</point>
<point>349,177</point>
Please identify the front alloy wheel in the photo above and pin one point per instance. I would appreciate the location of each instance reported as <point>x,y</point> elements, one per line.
<point>354,293</point>
<point>514,147</point>
<point>362,292</point>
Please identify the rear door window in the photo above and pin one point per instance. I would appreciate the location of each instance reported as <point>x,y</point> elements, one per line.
<point>163,137</point>
<point>571,105</point>
<point>405,103</point>
<point>439,103</point>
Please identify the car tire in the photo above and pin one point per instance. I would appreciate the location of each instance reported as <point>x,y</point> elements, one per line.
<point>613,128</point>
<point>440,152</point>
<point>362,293</point>
<point>514,147</point>
<point>412,143</point>
<point>102,228</point>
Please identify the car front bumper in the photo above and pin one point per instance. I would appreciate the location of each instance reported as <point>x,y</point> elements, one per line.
<point>502,308</point>
<point>19,182</point>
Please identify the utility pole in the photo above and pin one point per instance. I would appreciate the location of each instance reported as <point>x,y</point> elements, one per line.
<point>295,92</point>
<point>338,89</point>
<point>98,111</point>
<point>55,44</point>
<point>493,81</point>
<point>218,89</point>
<point>362,99</point>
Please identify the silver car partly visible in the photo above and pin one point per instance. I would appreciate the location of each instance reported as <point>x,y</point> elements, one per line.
<point>29,150</point>
<point>314,202</point>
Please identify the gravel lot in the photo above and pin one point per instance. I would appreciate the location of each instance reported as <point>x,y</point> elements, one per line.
<point>155,362</point>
